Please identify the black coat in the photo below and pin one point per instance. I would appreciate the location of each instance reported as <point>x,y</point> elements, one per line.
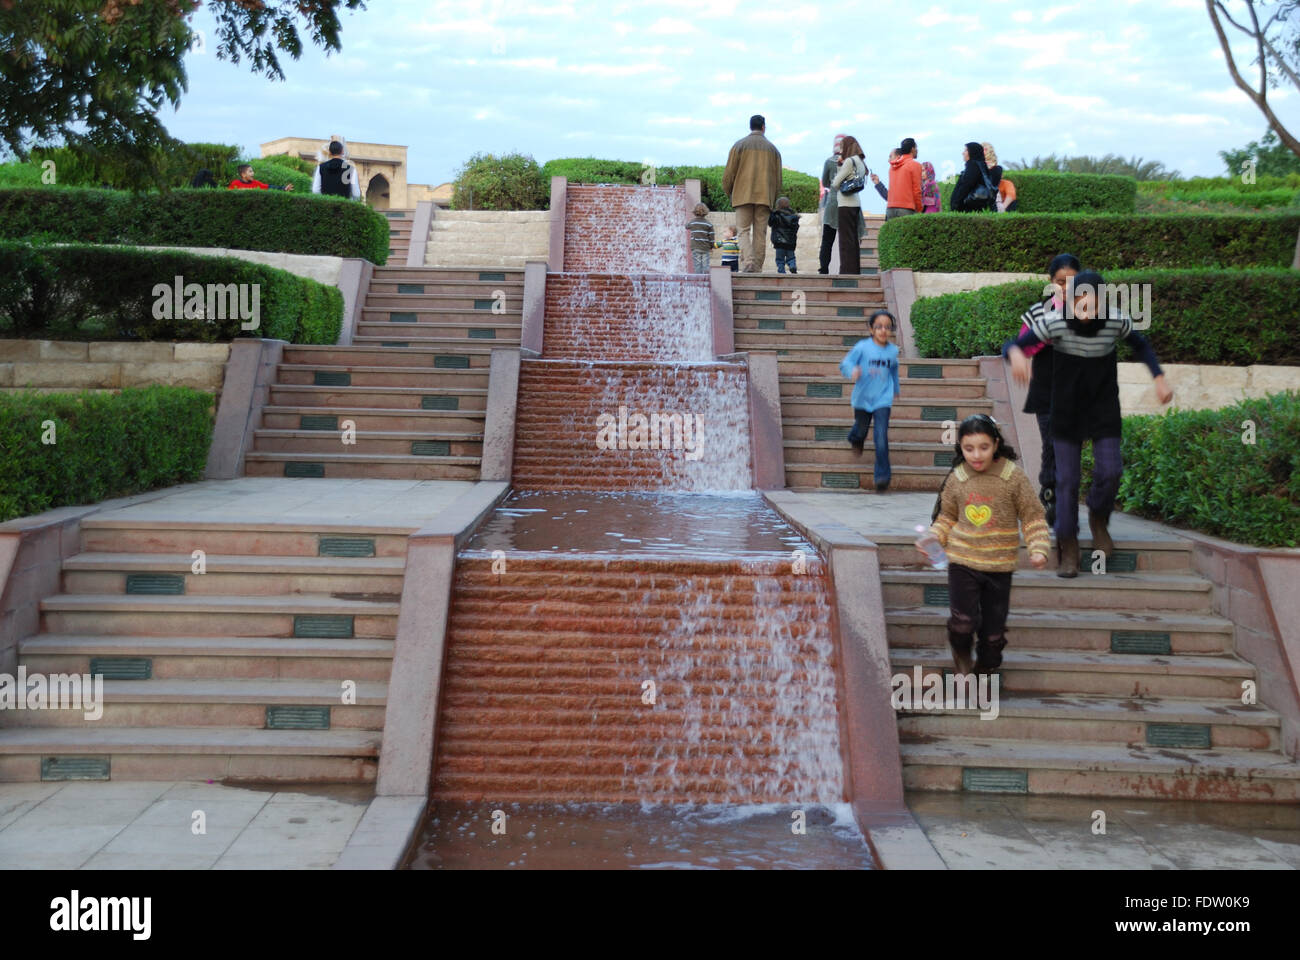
<point>970,180</point>
<point>785,228</point>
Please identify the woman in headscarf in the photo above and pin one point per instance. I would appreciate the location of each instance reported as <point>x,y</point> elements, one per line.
<point>931,202</point>
<point>975,177</point>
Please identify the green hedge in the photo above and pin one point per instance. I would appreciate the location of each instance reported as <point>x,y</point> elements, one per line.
<point>269,220</point>
<point>1024,243</point>
<point>1190,315</point>
<point>1039,191</point>
<point>1192,470</point>
<point>106,445</point>
<point>107,293</point>
<point>802,189</point>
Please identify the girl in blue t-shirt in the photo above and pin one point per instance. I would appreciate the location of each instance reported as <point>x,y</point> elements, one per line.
<point>872,365</point>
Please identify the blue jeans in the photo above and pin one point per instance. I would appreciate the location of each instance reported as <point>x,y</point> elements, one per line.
<point>858,436</point>
<point>785,256</point>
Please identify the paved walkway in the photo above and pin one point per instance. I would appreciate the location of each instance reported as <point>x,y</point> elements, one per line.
<point>152,826</point>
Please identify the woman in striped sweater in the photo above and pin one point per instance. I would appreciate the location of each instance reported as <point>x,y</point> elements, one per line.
<point>985,502</point>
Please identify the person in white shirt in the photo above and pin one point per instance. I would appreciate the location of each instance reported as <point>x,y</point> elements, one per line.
<point>336,177</point>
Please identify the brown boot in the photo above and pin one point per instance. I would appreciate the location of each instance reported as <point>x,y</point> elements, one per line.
<point>961,644</point>
<point>1097,523</point>
<point>1067,557</point>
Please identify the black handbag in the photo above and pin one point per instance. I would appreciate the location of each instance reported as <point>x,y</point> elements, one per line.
<point>986,195</point>
<point>854,184</point>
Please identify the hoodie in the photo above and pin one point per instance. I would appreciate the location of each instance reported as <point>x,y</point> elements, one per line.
<point>904,183</point>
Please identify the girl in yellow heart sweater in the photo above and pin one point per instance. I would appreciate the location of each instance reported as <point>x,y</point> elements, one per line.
<point>985,501</point>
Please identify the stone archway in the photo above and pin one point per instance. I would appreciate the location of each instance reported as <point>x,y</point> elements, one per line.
<point>377,192</point>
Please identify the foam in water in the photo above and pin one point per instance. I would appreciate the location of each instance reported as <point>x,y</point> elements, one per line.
<point>670,319</point>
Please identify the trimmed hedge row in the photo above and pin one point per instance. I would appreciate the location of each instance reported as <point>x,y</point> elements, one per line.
<point>1229,317</point>
<point>975,242</point>
<point>105,445</point>
<point>1041,191</point>
<point>802,189</point>
<point>269,220</point>
<point>108,293</point>
<point>1191,469</point>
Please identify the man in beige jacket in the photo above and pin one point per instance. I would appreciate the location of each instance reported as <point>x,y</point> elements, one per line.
<point>752,180</point>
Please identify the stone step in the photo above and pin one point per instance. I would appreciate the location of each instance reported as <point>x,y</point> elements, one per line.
<point>221,754</point>
<point>366,420</point>
<point>1051,628</point>
<point>443,305</point>
<point>368,443</point>
<point>902,453</point>
<point>1099,719</point>
<point>375,466</point>
<point>836,429</point>
<point>239,539</point>
<point>218,702</point>
<point>115,573</point>
<point>1100,770</point>
<point>1154,556</point>
<point>827,375</point>
<point>928,408</point>
<point>853,478</point>
<point>242,616</point>
<point>1043,589</point>
<point>436,274</point>
<point>744,284</point>
<point>448,326</point>
<point>453,352</point>
<point>361,377</point>
<point>808,312</point>
<point>393,398</point>
<point>375,355</point>
<point>177,658</point>
<point>1099,673</point>
<point>473,288</point>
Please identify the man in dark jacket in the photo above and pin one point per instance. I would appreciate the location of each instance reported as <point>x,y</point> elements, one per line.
<point>751,181</point>
<point>336,177</point>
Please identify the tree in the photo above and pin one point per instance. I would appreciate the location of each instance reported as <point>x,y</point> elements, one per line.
<point>1277,53</point>
<point>1270,157</point>
<point>1136,167</point>
<point>93,74</point>
<point>511,181</point>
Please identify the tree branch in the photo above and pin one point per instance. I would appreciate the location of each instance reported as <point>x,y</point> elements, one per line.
<point>1257,97</point>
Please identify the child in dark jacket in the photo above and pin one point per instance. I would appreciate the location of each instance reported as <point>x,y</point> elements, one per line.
<point>1085,405</point>
<point>785,234</point>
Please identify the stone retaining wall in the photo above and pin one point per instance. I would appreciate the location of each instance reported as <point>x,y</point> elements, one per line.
<point>57,366</point>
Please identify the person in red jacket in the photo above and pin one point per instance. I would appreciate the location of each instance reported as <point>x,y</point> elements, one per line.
<point>245,181</point>
<point>904,182</point>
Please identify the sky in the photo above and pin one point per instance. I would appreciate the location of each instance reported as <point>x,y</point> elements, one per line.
<point>675,82</point>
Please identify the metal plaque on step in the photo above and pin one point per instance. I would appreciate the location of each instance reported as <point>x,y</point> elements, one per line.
<point>322,626</point>
<point>994,780</point>
<point>1121,561</point>
<point>440,403</point>
<point>431,448</point>
<point>122,668</point>
<point>484,304</point>
<point>850,311</point>
<point>925,371</point>
<point>75,768</point>
<point>934,595</point>
<point>1137,641</point>
<point>155,584</point>
<point>837,282</point>
<point>825,390</point>
<point>1178,735</point>
<point>410,288</point>
<point>482,333</point>
<point>394,343</point>
<point>944,459</point>
<point>491,276</point>
<point>938,414</point>
<point>346,547</point>
<point>447,361</point>
<point>402,317</point>
<point>296,468</point>
<point>831,433</point>
<point>318,421</point>
<point>297,718</point>
<point>769,295</point>
<point>849,341</point>
<point>771,324</point>
<point>840,481</point>
<point>331,378</point>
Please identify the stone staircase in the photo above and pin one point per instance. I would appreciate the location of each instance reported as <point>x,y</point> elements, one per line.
<point>810,322</point>
<point>240,672</point>
<point>488,238</point>
<point>400,223</point>
<point>543,696</point>
<point>417,404</point>
<point>1115,685</point>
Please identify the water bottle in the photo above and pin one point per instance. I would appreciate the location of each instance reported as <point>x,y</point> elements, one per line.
<point>938,559</point>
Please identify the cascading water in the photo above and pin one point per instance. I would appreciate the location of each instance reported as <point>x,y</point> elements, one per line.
<point>668,640</point>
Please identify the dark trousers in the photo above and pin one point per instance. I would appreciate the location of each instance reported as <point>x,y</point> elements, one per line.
<point>850,240</point>
<point>1047,471</point>
<point>978,602</point>
<point>828,241</point>
<point>858,436</point>
<point>1107,468</point>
